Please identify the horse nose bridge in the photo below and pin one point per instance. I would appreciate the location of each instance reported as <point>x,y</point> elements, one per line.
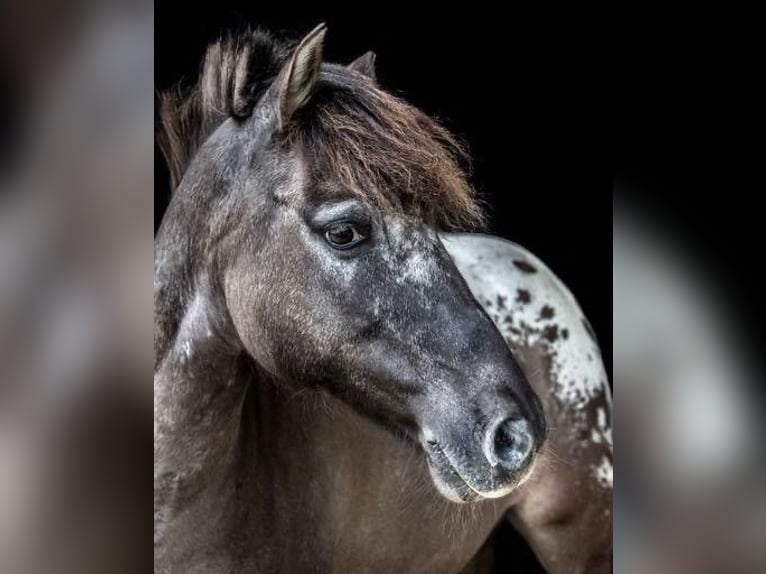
<point>479,334</point>
<point>475,364</point>
<point>469,361</point>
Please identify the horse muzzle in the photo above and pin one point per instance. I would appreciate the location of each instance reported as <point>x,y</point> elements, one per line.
<point>489,462</point>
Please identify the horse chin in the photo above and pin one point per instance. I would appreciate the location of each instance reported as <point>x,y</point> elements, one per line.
<point>455,486</point>
<point>451,486</point>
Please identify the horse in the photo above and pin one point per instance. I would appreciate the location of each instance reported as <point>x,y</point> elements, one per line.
<point>344,382</point>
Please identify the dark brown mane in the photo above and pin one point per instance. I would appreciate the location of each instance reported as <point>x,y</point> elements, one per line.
<point>375,145</point>
<point>386,151</point>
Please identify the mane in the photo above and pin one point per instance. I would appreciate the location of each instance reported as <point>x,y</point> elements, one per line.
<point>376,146</point>
<point>236,71</point>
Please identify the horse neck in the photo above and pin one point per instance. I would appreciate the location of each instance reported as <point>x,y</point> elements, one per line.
<point>200,376</point>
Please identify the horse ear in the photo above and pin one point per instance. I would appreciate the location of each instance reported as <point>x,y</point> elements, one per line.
<point>295,82</point>
<point>365,64</point>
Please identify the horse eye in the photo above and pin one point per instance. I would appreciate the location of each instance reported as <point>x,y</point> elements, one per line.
<point>343,236</point>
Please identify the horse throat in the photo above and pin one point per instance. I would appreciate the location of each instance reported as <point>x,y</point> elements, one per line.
<point>200,382</point>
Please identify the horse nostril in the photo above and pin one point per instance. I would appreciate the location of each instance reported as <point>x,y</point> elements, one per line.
<point>511,445</point>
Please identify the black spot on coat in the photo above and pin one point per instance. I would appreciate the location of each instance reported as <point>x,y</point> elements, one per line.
<point>551,333</point>
<point>547,312</point>
<point>523,296</point>
<point>523,266</point>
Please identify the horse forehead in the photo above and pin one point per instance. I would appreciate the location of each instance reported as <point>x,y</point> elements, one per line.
<point>290,179</point>
<point>410,255</point>
<point>408,234</point>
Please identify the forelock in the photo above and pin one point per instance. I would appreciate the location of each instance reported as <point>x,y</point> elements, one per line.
<point>385,151</point>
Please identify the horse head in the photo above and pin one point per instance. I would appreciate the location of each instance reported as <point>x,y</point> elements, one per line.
<point>316,199</point>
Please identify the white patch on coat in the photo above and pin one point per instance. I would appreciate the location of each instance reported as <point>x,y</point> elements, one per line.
<point>417,269</point>
<point>602,433</point>
<point>596,437</point>
<point>186,351</point>
<point>604,473</point>
<point>407,254</point>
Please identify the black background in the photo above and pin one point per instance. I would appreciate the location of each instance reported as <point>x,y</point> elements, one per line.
<point>524,97</point>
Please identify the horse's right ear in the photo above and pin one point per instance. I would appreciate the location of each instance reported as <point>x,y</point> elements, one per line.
<point>298,77</point>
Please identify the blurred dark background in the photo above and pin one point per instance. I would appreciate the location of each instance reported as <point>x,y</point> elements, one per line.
<point>686,119</point>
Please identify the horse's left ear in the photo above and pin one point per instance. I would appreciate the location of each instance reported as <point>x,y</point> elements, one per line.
<point>295,82</point>
<point>365,64</point>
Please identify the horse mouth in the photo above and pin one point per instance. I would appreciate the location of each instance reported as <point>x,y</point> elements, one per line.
<point>461,482</point>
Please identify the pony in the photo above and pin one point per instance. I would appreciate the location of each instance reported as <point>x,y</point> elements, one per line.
<point>334,389</point>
